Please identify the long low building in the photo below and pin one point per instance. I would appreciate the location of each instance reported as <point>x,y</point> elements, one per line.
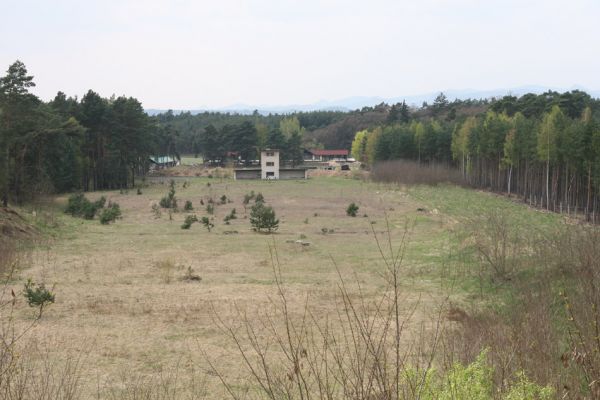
<point>284,173</point>
<point>270,169</point>
<point>326,155</point>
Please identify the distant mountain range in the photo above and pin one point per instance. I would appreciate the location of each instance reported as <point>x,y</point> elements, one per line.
<point>358,102</point>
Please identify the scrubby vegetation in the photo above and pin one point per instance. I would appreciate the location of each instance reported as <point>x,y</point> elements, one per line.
<point>79,206</point>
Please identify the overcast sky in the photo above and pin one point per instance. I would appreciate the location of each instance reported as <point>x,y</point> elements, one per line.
<point>195,54</point>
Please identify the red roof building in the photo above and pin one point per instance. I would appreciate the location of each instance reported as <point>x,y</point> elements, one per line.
<point>326,155</point>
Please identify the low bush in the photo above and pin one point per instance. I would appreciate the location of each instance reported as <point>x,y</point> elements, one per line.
<point>190,276</point>
<point>352,210</point>
<point>210,208</point>
<point>79,206</point>
<point>188,206</point>
<point>110,213</point>
<point>156,211</point>
<point>169,201</point>
<point>207,223</point>
<point>189,220</point>
<point>230,216</point>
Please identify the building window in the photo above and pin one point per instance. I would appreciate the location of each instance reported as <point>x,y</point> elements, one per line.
<point>270,154</point>
<point>270,174</point>
<point>270,164</point>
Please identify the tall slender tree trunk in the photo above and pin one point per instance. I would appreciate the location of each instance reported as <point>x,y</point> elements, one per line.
<point>509,178</point>
<point>548,183</point>
<point>4,178</point>
<point>589,191</point>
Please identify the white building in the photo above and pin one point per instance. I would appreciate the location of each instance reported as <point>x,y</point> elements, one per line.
<point>269,164</point>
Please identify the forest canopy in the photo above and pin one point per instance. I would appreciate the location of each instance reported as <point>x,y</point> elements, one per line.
<point>543,146</point>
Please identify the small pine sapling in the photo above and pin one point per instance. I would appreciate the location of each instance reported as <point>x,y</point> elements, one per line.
<point>262,217</point>
<point>352,210</point>
<point>207,223</point>
<point>189,220</point>
<point>170,201</point>
<point>230,216</point>
<point>156,211</point>
<point>37,295</point>
<point>110,213</point>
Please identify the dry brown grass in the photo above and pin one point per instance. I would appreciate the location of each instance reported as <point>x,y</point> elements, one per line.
<point>137,317</point>
<point>408,172</point>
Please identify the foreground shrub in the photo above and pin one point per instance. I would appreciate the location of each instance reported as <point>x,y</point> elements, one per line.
<point>362,346</point>
<point>262,217</point>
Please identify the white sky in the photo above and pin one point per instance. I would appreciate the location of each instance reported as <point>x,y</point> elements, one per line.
<point>195,54</point>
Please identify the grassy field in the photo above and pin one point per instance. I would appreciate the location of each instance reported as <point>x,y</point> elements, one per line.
<point>121,297</point>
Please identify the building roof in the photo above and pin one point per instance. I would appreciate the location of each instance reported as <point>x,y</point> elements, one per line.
<point>329,152</point>
<point>162,159</point>
<point>281,169</point>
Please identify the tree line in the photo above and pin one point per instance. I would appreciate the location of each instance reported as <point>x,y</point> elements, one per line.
<point>544,148</point>
<point>191,127</point>
<point>244,141</point>
<point>69,144</point>
<point>97,143</point>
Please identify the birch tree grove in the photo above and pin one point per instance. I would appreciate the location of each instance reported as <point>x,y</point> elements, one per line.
<point>544,149</point>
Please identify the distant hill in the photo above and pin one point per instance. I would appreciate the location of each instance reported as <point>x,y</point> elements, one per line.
<point>358,102</point>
